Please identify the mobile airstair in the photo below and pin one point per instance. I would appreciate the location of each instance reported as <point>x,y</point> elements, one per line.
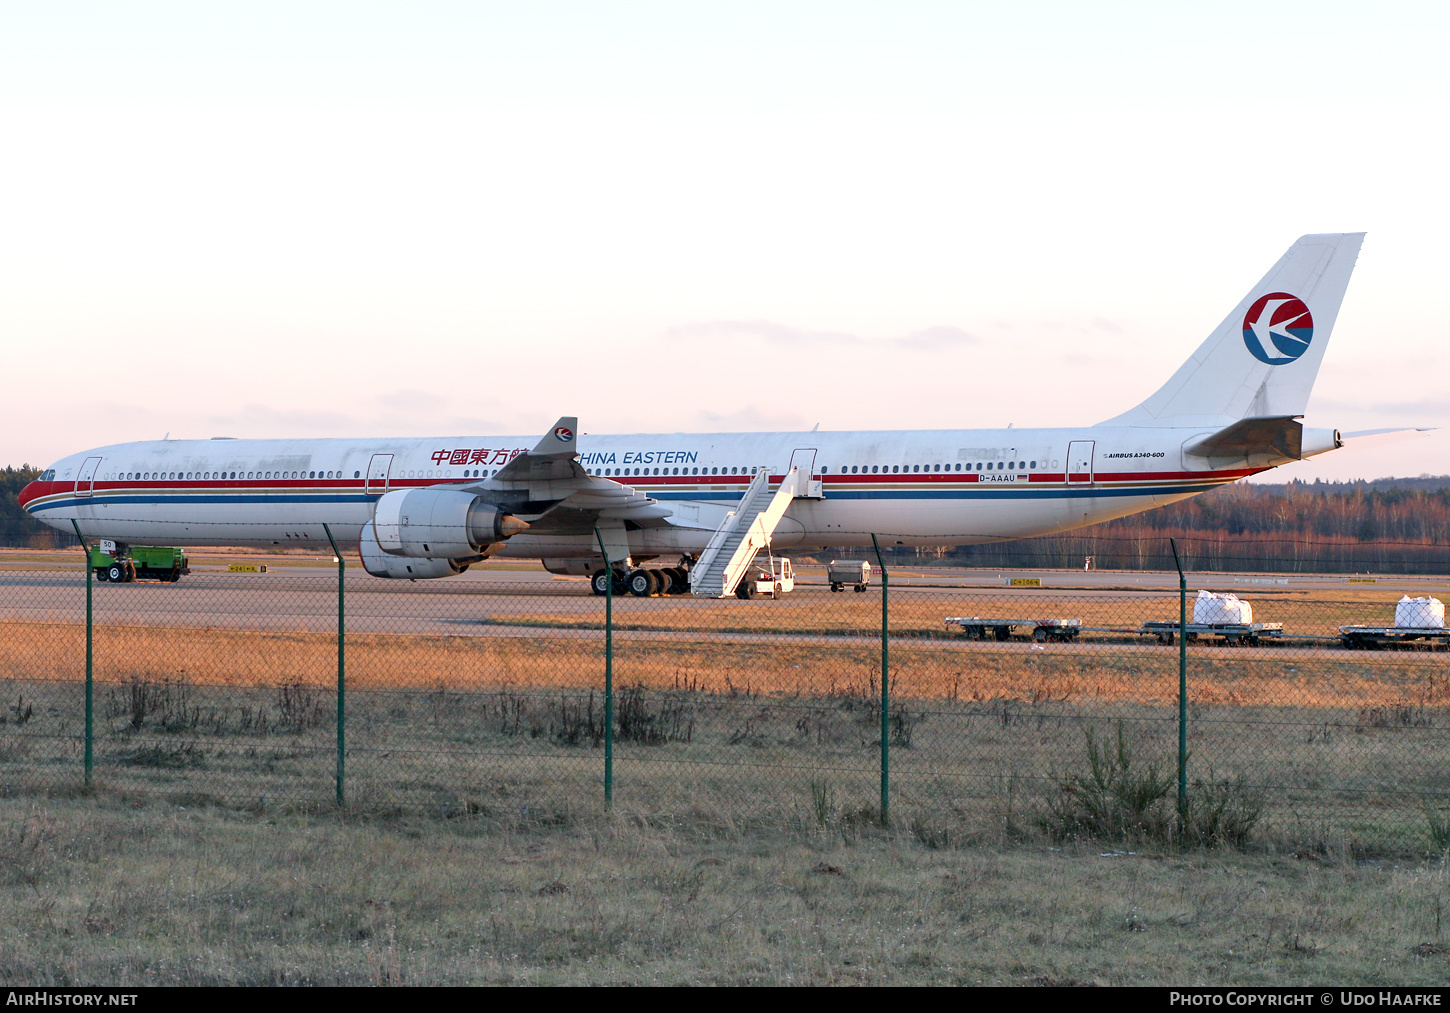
<point>745,531</point>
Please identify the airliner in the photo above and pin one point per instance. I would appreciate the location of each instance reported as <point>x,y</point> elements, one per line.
<point>423,508</point>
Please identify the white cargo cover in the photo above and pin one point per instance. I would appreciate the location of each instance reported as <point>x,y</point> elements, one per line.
<point>1420,613</point>
<point>1221,608</point>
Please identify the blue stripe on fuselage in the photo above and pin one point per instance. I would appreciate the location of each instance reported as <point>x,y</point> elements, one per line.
<point>1008,492</point>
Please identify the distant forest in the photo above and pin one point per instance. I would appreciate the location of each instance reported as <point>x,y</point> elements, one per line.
<point>1390,525</point>
<point>17,528</point>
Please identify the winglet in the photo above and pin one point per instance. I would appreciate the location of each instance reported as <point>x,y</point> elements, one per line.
<point>561,440</point>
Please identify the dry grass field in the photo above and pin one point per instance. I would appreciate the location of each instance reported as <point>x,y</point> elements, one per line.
<point>113,891</point>
<point>746,843</point>
<point>1343,745</point>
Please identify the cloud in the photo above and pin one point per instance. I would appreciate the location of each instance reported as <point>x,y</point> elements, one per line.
<point>410,401</point>
<point>751,418</point>
<point>254,417</point>
<point>764,330</point>
<point>931,339</point>
<point>1431,407</point>
<point>936,339</point>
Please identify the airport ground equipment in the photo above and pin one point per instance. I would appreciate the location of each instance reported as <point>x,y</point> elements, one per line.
<point>126,564</point>
<point>776,581</point>
<point>1373,638</point>
<point>841,572</point>
<point>1233,634</point>
<point>1043,630</point>
<point>747,530</point>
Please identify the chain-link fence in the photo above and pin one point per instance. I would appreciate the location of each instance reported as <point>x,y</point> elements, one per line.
<point>1051,708</point>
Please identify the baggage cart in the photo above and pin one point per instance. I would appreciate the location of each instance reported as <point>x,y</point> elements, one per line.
<point>1233,634</point>
<point>1043,630</point>
<point>841,572</point>
<point>1373,638</point>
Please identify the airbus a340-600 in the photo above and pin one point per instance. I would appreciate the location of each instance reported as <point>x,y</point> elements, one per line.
<point>431,507</point>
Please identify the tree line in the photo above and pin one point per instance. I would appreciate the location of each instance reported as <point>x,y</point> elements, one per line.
<point>17,528</point>
<point>1385,526</point>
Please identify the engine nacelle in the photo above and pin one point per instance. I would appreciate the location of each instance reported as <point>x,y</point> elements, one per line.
<point>378,563</point>
<point>440,523</point>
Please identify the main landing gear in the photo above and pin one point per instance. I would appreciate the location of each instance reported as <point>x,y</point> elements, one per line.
<point>643,583</point>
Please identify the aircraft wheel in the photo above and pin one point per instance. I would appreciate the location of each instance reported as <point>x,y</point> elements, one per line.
<point>640,584</point>
<point>116,573</point>
<point>599,583</point>
<point>101,573</point>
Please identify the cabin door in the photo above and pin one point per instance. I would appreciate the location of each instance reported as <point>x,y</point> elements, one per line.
<point>379,473</point>
<point>86,477</point>
<point>805,460</point>
<point>1080,462</point>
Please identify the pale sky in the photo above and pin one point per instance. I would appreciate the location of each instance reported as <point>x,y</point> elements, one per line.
<point>362,219</point>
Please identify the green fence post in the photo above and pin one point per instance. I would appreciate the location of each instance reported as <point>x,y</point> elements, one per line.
<point>608,675</point>
<point>1182,684</point>
<point>885,689</point>
<point>341,667</point>
<point>90,658</point>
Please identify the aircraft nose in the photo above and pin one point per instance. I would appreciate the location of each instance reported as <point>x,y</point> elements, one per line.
<point>30,492</point>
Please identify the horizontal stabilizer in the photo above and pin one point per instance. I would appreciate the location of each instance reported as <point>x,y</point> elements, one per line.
<point>1385,435</point>
<point>1274,435</point>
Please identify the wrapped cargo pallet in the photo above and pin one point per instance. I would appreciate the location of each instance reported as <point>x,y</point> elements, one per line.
<point>1221,608</point>
<point>1420,613</point>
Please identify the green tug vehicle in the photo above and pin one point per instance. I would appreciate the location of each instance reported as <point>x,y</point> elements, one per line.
<point>125,564</point>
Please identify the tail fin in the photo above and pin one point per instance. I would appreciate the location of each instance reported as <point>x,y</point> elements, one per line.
<point>1263,358</point>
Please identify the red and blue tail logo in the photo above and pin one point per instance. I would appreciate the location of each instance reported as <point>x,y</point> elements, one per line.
<point>1278,328</point>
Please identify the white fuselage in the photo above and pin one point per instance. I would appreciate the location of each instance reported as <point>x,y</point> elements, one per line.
<point>922,488</point>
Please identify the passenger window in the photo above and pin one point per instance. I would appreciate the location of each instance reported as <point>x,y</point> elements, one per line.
<point>1033,464</point>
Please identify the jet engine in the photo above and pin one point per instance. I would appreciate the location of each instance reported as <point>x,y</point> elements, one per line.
<point>378,563</point>
<point>440,524</point>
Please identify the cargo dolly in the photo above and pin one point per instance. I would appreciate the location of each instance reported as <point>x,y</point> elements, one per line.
<point>1372,638</point>
<point>1233,634</point>
<point>1043,630</point>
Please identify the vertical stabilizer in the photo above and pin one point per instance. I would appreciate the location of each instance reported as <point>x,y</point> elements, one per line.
<point>1263,358</point>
